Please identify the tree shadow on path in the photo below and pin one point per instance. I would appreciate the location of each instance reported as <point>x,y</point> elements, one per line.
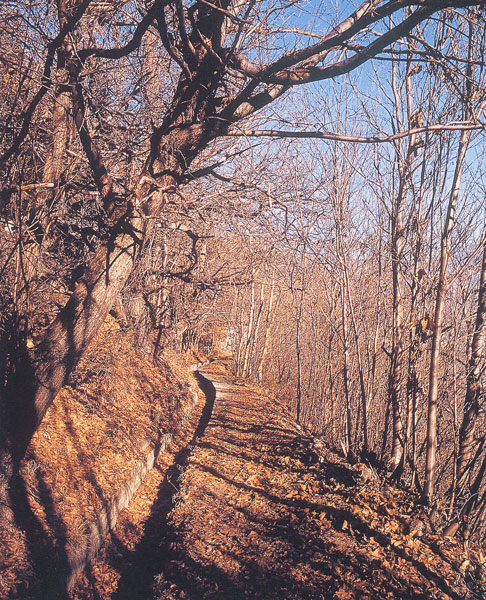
<point>153,552</point>
<point>256,520</point>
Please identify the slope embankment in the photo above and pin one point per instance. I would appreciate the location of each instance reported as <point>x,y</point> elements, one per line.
<point>105,431</point>
<point>248,506</point>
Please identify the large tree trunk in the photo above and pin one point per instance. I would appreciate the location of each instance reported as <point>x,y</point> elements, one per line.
<point>38,379</point>
<point>397,248</point>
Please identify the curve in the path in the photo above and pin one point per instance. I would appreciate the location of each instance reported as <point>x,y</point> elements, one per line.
<point>254,518</point>
<point>258,519</point>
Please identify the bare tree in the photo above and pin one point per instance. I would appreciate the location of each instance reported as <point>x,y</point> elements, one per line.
<point>212,87</point>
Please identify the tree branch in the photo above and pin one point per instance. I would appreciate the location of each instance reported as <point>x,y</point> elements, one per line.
<point>373,139</point>
<point>46,80</point>
<point>279,72</point>
<point>133,44</point>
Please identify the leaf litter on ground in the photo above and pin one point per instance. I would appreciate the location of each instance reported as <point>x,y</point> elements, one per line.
<point>254,515</point>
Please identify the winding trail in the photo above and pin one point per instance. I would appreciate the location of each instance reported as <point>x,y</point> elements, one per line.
<point>245,510</point>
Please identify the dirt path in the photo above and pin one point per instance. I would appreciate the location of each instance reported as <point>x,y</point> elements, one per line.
<point>254,515</point>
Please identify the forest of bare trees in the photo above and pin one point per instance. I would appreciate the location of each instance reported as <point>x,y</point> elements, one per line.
<point>302,183</point>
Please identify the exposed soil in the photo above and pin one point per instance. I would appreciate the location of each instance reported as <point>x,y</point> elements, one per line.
<point>251,507</point>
